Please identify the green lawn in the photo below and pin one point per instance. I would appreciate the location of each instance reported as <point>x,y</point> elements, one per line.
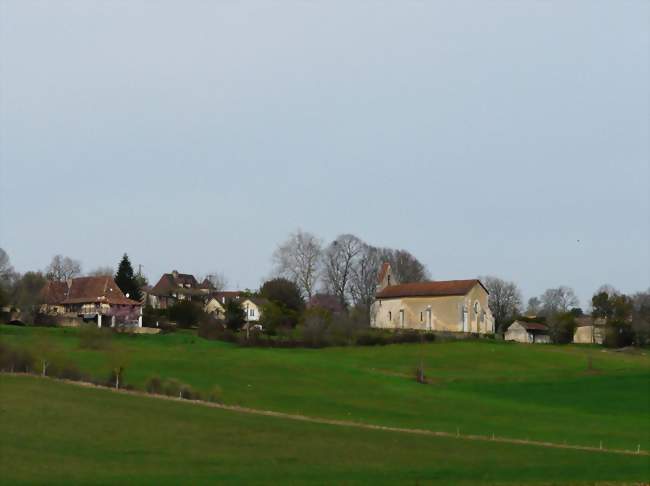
<point>539,392</point>
<point>57,433</point>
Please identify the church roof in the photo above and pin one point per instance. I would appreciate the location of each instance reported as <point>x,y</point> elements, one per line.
<point>440,288</point>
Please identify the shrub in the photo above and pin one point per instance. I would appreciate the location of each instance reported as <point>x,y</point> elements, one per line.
<point>210,329</point>
<point>155,385</point>
<point>188,393</point>
<point>561,327</point>
<point>172,387</point>
<point>19,360</point>
<point>65,370</point>
<point>116,377</point>
<point>45,320</point>
<point>276,317</point>
<point>185,314</point>
<point>618,334</point>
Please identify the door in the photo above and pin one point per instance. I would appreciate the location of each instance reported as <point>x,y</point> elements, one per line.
<point>465,321</point>
<point>401,318</point>
<point>429,323</point>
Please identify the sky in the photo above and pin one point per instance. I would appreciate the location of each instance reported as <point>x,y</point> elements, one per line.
<point>502,138</point>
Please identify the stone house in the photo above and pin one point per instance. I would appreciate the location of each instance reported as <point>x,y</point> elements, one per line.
<point>527,332</point>
<point>450,305</point>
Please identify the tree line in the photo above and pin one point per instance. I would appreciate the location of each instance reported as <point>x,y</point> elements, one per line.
<point>346,267</point>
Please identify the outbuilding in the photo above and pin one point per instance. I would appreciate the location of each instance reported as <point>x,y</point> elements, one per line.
<point>527,332</point>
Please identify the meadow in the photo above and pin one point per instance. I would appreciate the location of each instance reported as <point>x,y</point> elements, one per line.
<point>578,395</point>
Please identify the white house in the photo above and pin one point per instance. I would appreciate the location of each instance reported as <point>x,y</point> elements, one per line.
<point>253,308</point>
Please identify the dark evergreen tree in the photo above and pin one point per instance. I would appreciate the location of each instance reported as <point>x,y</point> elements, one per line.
<point>235,316</point>
<point>126,279</point>
<point>283,292</point>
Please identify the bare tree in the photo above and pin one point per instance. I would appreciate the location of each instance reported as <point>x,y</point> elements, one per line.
<point>504,300</point>
<point>6,270</point>
<point>405,266</point>
<point>363,284</point>
<point>217,281</point>
<point>534,306</point>
<point>62,268</point>
<point>339,262</point>
<point>104,271</point>
<point>559,299</point>
<point>298,259</point>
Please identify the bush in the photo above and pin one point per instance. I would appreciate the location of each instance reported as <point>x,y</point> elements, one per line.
<point>185,314</point>
<point>188,393</point>
<point>561,327</point>
<point>116,377</point>
<point>19,360</point>
<point>66,370</point>
<point>618,334</point>
<point>210,329</point>
<point>155,385</point>
<point>151,316</point>
<point>276,317</point>
<point>45,320</point>
<point>172,388</point>
<point>235,317</point>
<point>92,337</point>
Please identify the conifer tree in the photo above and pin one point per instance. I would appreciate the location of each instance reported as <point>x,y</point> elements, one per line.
<point>126,280</point>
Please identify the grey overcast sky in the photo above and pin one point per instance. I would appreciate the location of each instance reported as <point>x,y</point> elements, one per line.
<point>506,138</point>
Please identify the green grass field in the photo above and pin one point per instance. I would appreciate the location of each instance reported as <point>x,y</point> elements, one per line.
<point>544,393</point>
<point>54,433</point>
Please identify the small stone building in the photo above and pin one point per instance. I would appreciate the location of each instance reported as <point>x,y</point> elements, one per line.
<point>589,330</point>
<point>527,332</point>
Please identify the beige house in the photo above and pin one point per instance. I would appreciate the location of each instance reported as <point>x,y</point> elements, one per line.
<point>215,303</point>
<point>527,332</point>
<point>451,305</point>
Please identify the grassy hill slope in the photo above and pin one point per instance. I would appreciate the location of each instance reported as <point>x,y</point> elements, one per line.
<point>480,387</point>
<point>58,433</point>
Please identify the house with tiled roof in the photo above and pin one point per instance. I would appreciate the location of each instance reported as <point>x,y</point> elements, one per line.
<point>91,298</point>
<point>215,302</point>
<point>176,286</point>
<point>447,305</point>
<point>527,332</point>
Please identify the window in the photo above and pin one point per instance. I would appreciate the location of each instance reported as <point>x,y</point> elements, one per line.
<point>476,307</point>
<point>390,316</point>
<point>252,313</point>
<point>421,316</point>
<point>388,281</point>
